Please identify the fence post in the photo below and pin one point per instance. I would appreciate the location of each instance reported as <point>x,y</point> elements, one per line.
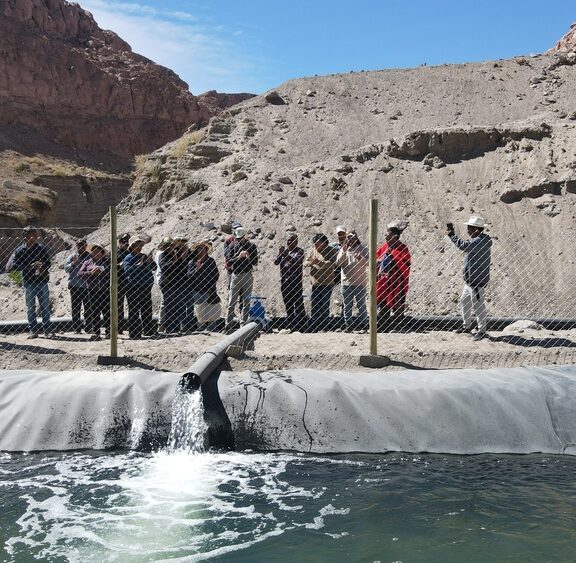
<point>113,284</point>
<point>373,233</point>
<point>373,360</point>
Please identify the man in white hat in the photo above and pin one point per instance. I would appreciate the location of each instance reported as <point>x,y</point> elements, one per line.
<point>476,273</point>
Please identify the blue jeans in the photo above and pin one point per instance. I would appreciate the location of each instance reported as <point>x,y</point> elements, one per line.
<point>351,293</point>
<point>320,309</point>
<point>40,291</point>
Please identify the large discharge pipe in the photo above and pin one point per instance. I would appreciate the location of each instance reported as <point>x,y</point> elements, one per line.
<point>205,365</point>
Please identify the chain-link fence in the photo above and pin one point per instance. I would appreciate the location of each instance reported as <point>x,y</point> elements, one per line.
<point>56,285</point>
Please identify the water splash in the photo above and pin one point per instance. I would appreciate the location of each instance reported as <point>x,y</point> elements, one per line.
<point>188,432</point>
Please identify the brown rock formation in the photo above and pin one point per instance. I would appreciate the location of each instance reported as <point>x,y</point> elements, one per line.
<point>567,42</point>
<point>84,87</point>
<point>217,101</point>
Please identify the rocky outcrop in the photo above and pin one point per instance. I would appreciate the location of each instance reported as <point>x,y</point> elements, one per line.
<point>215,102</point>
<point>567,42</point>
<point>84,87</point>
<point>456,144</point>
<point>76,203</point>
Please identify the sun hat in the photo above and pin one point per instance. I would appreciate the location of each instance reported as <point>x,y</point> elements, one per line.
<point>204,243</point>
<point>400,225</point>
<point>239,232</point>
<point>136,242</point>
<point>340,229</point>
<point>476,221</point>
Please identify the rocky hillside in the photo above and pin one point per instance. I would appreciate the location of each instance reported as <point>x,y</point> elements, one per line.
<point>63,75</point>
<point>77,102</point>
<point>567,42</point>
<point>433,144</point>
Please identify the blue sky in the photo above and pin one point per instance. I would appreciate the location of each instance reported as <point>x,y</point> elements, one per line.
<point>255,45</point>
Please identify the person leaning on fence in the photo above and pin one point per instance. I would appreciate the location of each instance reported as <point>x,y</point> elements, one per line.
<point>241,256</point>
<point>203,275</point>
<point>476,273</point>
<point>96,272</point>
<point>139,268</point>
<point>392,282</point>
<point>122,252</point>
<point>321,259</point>
<point>32,259</point>
<point>77,285</point>
<point>353,259</point>
<point>290,259</point>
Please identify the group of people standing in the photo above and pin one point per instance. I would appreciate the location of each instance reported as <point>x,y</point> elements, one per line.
<point>187,277</point>
<point>343,262</point>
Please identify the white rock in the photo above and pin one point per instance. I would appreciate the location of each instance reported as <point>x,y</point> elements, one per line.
<point>523,325</point>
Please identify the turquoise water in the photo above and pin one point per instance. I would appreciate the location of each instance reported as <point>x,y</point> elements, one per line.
<point>96,506</point>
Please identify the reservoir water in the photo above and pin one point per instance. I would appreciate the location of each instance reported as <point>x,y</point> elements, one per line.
<point>249,506</point>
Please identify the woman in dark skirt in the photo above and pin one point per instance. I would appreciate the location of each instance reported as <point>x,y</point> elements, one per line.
<point>203,276</point>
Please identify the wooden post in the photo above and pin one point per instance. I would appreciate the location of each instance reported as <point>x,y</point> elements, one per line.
<point>373,234</point>
<point>373,360</point>
<point>113,284</point>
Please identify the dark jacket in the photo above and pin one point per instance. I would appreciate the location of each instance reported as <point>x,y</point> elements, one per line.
<point>477,259</point>
<point>205,278</point>
<point>290,262</point>
<point>237,264</point>
<point>25,256</point>
<point>121,256</point>
<point>174,271</point>
<point>139,270</point>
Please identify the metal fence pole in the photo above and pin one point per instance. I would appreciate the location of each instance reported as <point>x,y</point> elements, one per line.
<point>373,234</point>
<point>113,285</point>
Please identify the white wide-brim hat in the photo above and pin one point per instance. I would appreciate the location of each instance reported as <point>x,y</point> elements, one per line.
<point>239,232</point>
<point>476,221</point>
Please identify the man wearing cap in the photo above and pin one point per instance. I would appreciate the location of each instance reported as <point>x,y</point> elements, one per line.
<point>353,259</point>
<point>290,259</point>
<point>228,230</point>
<point>476,273</point>
<point>241,256</point>
<point>32,259</point>
<point>77,285</point>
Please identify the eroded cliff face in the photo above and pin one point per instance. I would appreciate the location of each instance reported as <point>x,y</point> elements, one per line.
<point>83,86</point>
<point>567,42</point>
